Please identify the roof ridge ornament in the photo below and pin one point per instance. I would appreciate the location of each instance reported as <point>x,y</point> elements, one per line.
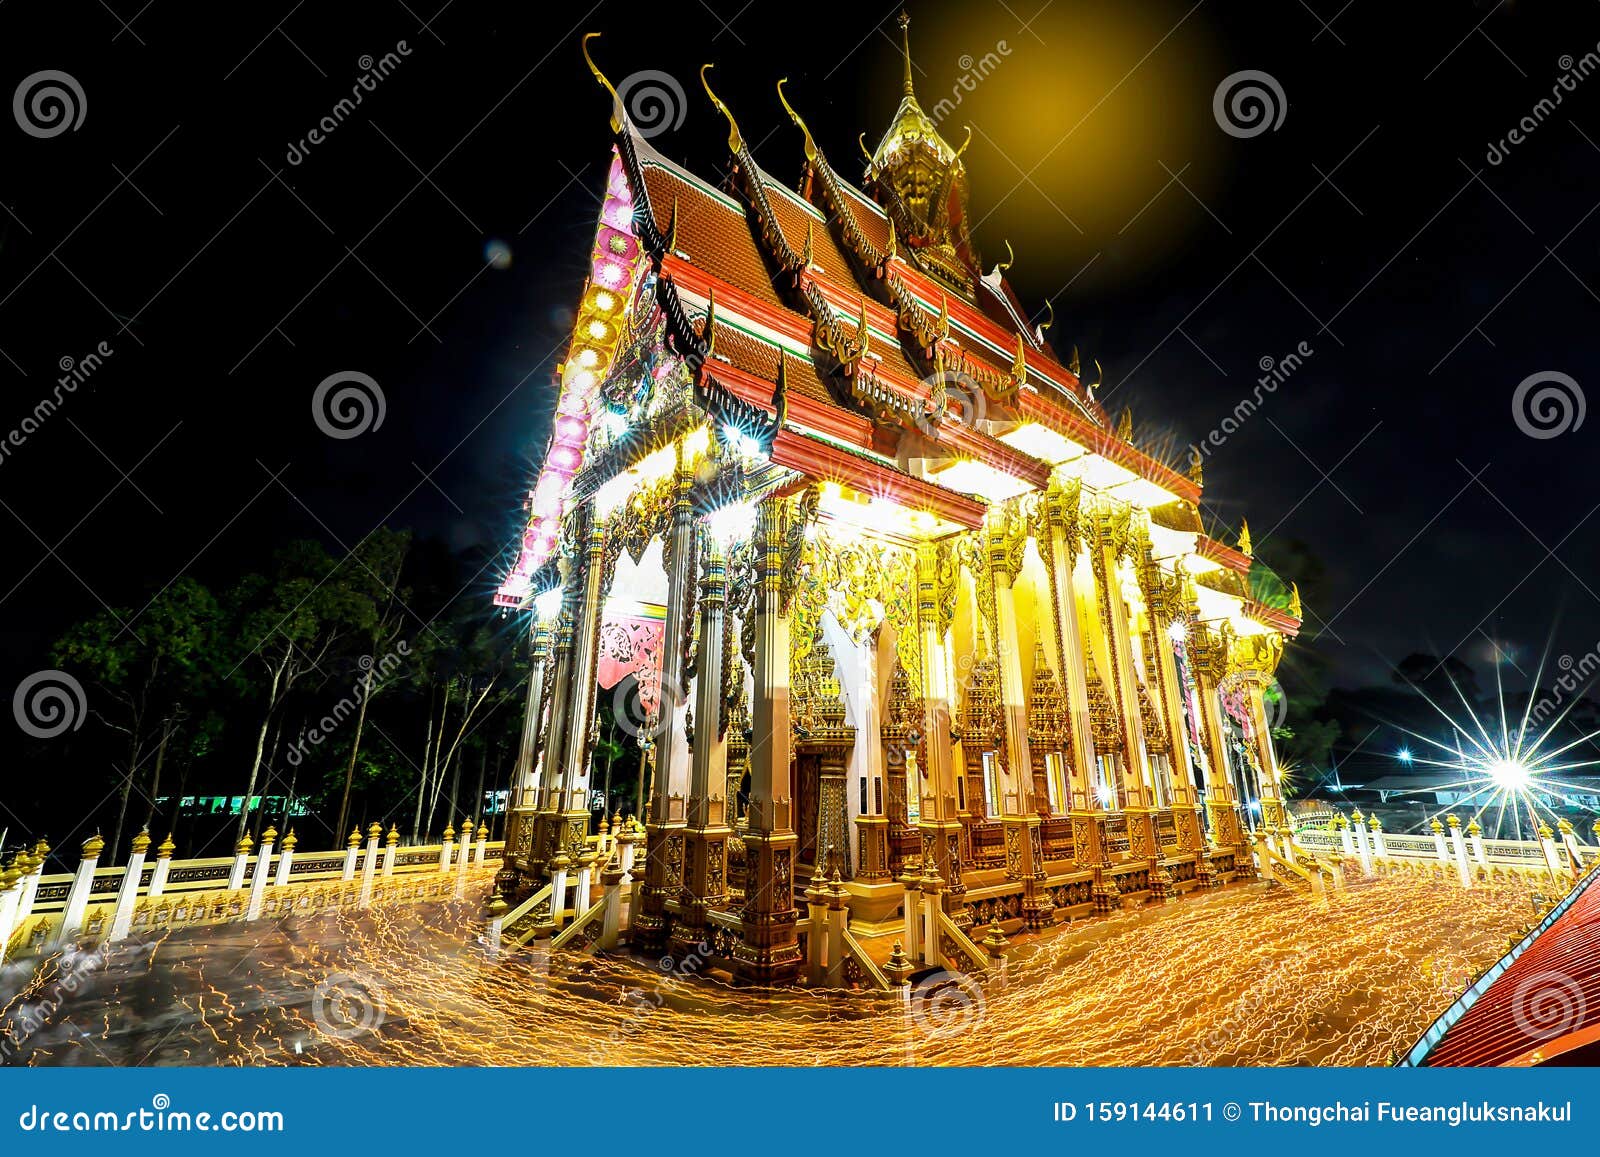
<point>618,114</point>
<point>811,145</point>
<point>1004,266</point>
<point>735,138</point>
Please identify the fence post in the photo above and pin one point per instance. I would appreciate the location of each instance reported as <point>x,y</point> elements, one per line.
<point>480,854</point>
<point>1458,846</point>
<point>995,945</point>
<point>1570,839</point>
<point>352,848</point>
<point>286,858</point>
<point>390,843</point>
<point>1547,841</point>
<point>1345,841</point>
<point>1378,845</point>
<point>78,896</point>
<point>445,848</point>
<point>932,885</point>
<point>1438,841</point>
<point>11,886</point>
<point>30,886</point>
<point>258,882</point>
<point>611,923</point>
<point>464,851</point>
<point>559,863</point>
<point>241,855</point>
<point>158,874</point>
<point>369,865</point>
<point>838,921</point>
<point>816,919</point>
<point>912,905</point>
<point>128,893</point>
<point>495,912</point>
<point>1360,830</point>
<point>1475,839</point>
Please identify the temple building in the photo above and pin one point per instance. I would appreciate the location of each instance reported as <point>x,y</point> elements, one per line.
<point>902,600</point>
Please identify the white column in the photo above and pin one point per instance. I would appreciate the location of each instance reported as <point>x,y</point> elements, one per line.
<point>1551,856</point>
<point>1569,839</point>
<point>158,874</point>
<point>352,848</point>
<point>913,916</point>
<point>391,841</point>
<point>1345,842</point>
<point>462,856</point>
<point>480,852</point>
<point>1379,848</point>
<point>241,856</point>
<point>286,858</point>
<point>1359,830</point>
<point>1475,841</point>
<point>30,886</point>
<point>445,848</point>
<point>931,886</point>
<point>258,882</point>
<point>128,893</point>
<point>559,863</point>
<point>1458,848</point>
<point>78,895</point>
<point>585,881</point>
<point>1438,842</point>
<point>369,866</point>
<point>11,886</point>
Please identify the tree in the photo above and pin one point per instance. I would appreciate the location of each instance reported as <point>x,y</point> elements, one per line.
<point>373,569</point>
<point>290,626</point>
<point>146,672</point>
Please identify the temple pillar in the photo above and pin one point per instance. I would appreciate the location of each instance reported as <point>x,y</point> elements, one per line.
<point>705,857</point>
<point>549,745</point>
<point>666,819</point>
<point>1007,539</point>
<point>570,807</point>
<point>939,821</point>
<point>522,803</point>
<point>768,949</point>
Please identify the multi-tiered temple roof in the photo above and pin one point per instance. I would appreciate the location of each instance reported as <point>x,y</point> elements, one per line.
<point>851,330</point>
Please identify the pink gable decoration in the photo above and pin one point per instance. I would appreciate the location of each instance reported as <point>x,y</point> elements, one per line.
<point>631,645</point>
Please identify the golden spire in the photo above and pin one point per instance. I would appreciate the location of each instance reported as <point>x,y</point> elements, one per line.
<point>1073,363</point>
<point>1125,426</point>
<point>735,139</point>
<point>1197,473</point>
<point>811,145</point>
<point>616,101</point>
<point>1245,547</point>
<point>905,38</point>
<point>1294,601</point>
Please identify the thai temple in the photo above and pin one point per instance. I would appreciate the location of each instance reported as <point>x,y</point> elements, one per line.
<point>909,613</point>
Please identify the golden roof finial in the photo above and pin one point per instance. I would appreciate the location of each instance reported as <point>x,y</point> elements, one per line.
<point>1125,426</point>
<point>944,316</point>
<point>1019,364</point>
<point>1011,257</point>
<point>811,145</point>
<point>905,37</point>
<point>861,139</point>
<point>1245,547</point>
<point>1073,364</point>
<point>863,334</point>
<point>1197,473</point>
<point>808,254</point>
<point>617,114</point>
<point>893,247</point>
<point>964,143</point>
<point>1294,601</point>
<point>1049,321</point>
<point>735,139</point>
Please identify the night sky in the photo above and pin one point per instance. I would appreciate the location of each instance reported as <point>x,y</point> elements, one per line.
<point>1369,224</point>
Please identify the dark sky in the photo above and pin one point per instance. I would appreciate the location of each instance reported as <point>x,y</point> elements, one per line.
<point>1369,224</point>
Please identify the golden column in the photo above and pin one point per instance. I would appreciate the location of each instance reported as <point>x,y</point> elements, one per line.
<point>1006,538</point>
<point>519,823</point>
<point>705,862</point>
<point>1109,544</point>
<point>768,950</point>
<point>1208,659</point>
<point>1164,609</point>
<point>572,804</point>
<point>664,827</point>
<point>938,820</point>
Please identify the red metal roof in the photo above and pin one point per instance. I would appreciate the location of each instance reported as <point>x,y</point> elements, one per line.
<point>1541,1000</point>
